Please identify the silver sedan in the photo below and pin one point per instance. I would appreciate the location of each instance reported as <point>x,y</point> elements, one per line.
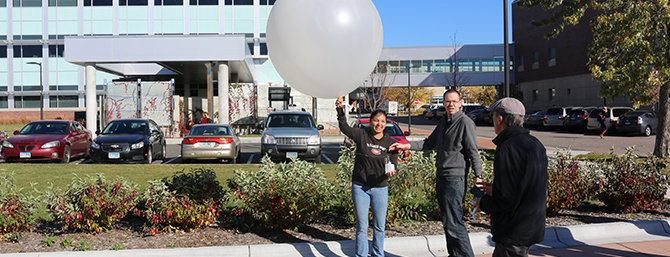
<point>210,142</point>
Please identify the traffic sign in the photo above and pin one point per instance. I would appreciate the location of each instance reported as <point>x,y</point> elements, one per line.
<point>416,101</point>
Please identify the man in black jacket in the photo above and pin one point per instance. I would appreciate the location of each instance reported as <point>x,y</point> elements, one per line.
<point>455,141</point>
<point>517,199</point>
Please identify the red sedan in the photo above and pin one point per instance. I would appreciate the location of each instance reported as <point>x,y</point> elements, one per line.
<point>392,129</point>
<point>47,140</point>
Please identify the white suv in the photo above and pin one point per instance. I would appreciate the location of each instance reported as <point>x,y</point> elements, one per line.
<point>613,114</point>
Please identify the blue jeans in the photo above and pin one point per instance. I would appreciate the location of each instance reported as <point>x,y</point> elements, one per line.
<point>450,194</point>
<point>376,199</point>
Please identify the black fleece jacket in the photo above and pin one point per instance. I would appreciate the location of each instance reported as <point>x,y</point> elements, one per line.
<point>518,206</point>
<point>371,154</point>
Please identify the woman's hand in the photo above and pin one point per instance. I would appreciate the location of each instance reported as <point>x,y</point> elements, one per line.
<point>338,102</point>
<point>397,146</point>
<point>391,173</point>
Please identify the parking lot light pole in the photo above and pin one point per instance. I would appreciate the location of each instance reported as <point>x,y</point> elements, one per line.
<point>41,90</point>
<point>409,100</point>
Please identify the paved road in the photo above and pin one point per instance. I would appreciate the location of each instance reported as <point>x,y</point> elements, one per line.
<point>581,140</point>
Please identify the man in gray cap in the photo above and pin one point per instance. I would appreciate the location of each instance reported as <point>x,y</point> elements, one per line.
<point>517,198</point>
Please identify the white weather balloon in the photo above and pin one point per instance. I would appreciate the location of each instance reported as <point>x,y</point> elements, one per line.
<point>324,48</point>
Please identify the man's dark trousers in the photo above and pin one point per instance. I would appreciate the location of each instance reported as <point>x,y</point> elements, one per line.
<point>450,194</point>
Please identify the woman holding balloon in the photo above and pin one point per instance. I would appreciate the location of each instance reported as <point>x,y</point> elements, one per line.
<point>373,165</point>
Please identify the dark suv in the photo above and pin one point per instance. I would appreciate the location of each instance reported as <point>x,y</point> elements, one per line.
<point>291,134</point>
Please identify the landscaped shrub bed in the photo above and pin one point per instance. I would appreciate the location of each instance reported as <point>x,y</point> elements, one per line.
<point>289,195</point>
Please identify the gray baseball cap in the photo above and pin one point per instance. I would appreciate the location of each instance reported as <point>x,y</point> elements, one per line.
<point>508,105</point>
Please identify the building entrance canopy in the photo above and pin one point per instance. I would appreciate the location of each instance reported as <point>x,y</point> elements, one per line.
<point>164,56</point>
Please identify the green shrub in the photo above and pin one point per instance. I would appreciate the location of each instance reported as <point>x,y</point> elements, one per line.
<point>568,184</point>
<point>341,187</point>
<point>630,184</point>
<point>17,211</point>
<point>165,210</point>
<point>198,184</point>
<point>412,189</point>
<point>284,195</point>
<point>487,176</point>
<point>92,204</point>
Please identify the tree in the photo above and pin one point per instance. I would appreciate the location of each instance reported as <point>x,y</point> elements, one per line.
<point>380,82</point>
<point>456,77</point>
<point>485,95</point>
<point>399,94</point>
<point>630,52</point>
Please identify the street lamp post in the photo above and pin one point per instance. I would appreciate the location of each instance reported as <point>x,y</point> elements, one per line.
<point>409,99</point>
<point>506,50</point>
<point>41,90</point>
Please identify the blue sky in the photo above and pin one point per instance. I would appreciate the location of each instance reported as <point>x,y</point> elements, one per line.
<point>433,22</point>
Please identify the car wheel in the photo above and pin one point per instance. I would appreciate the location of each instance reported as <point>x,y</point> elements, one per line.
<point>163,152</point>
<point>150,156</point>
<point>317,160</point>
<point>647,131</point>
<point>87,154</point>
<point>66,154</point>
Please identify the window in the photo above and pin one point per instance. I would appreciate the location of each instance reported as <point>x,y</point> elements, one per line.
<point>536,57</point>
<point>552,57</point>
<point>204,2</point>
<point>568,91</point>
<point>168,2</point>
<point>3,51</point>
<point>63,101</point>
<point>4,102</point>
<point>27,3</point>
<point>552,94</point>
<point>268,2</point>
<point>28,51</point>
<point>56,50</point>
<point>62,3</point>
<point>98,3</point>
<point>27,101</point>
<point>251,48</point>
<point>536,94</point>
<point>133,2</point>
<point>264,49</point>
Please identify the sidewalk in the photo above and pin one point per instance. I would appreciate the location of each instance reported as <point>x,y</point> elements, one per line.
<point>642,238</point>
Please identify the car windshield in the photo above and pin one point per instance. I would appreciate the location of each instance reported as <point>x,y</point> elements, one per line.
<point>633,114</point>
<point>126,127</point>
<point>576,113</point>
<point>291,120</point>
<point>595,113</point>
<point>52,128</point>
<point>210,131</point>
<point>391,129</point>
<point>618,112</point>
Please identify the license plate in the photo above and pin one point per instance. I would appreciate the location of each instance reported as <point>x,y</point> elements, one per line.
<point>627,123</point>
<point>207,144</point>
<point>291,155</point>
<point>24,154</point>
<point>114,155</point>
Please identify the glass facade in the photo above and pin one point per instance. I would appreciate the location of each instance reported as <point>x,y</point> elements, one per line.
<point>443,65</point>
<point>38,33</point>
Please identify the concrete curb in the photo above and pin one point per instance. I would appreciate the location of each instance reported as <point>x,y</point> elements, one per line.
<point>416,246</point>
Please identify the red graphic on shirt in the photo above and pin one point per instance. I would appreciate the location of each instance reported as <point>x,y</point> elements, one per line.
<point>376,151</point>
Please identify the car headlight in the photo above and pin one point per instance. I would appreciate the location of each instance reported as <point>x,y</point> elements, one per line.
<point>95,145</point>
<point>51,144</point>
<point>7,144</point>
<point>314,140</point>
<point>269,139</point>
<point>137,145</point>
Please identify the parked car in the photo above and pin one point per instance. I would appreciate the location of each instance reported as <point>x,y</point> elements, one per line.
<point>430,112</point>
<point>474,113</point>
<point>577,118</point>
<point>129,141</point>
<point>210,142</point>
<point>440,112</point>
<point>392,129</point>
<point>535,120</point>
<point>480,116</point>
<point>47,140</point>
<point>613,114</point>
<point>555,116</point>
<point>291,134</point>
<point>3,137</point>
<point>640,121</point>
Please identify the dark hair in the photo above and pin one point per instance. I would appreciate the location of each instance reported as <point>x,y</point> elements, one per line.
<point>377,112</point>
<point>452,91</point>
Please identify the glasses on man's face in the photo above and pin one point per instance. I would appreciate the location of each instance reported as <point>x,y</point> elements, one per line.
<point>447,103</point>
